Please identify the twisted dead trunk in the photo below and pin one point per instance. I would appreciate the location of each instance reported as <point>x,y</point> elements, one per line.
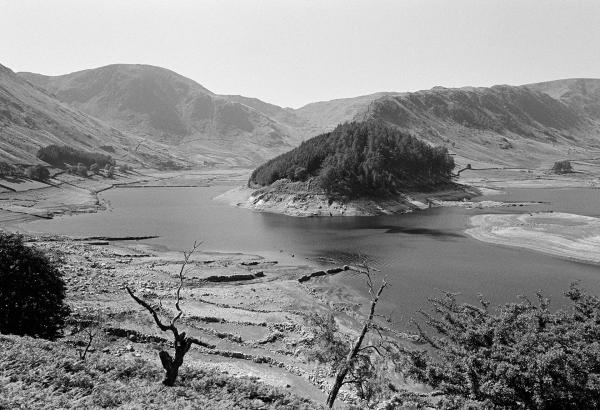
<point>171,366</point>
<point>339,378</point>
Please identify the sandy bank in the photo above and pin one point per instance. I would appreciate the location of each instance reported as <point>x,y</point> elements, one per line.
<point>561,234</point>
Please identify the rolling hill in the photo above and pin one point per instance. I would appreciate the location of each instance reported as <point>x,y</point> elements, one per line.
<point>528,125</point>
<point>166,107</point>
<point>30,118</point>
<point>500,125</point>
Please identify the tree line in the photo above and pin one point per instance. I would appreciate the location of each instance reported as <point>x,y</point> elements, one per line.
<point>361,159</point>
<point>61,156</point>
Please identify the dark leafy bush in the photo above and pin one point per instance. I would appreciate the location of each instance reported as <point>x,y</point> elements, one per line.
<point>32,291</point>
<point>38,172</point>
<point>361,159</point>
<point>60,156</point>
<point>519,356</point>
<point>562,167</point>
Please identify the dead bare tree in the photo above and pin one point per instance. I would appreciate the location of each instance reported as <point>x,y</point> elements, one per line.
<point>90,328</point>
<point>349,364</point>
<point>182,343</point>
<point>90,336</point>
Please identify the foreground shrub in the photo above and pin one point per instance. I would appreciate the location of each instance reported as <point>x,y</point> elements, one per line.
<point>32,291</point>
<point>38,374</point>
<point>520,356</point>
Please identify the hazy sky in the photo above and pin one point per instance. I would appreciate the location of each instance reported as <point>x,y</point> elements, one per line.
<point>291,52</point>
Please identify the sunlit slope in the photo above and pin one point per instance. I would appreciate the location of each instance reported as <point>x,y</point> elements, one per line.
<point>30,118</point>
<point>501,125</point>
<point>164,106</point>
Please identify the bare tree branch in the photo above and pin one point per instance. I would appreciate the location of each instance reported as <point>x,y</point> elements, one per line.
<point>149,308</point>
<point>186,258</point>
<point>182,342</point>
<point>353,353</point>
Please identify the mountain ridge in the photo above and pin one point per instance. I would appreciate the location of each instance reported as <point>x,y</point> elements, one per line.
<point>501,125</point>
<point>164,106</point>
<point>30,118</point>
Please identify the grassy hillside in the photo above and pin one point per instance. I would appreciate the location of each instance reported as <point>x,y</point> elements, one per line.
<point>530,125</point>
<point>37,374</point>
<point>169,108</point>
<point>30,119</point>
<point>361,159</point>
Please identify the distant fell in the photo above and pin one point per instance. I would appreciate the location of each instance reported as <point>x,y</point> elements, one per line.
<point>164,106</point>
<point>501,126</point>
<point>31,118</point>
<point>491,126</point>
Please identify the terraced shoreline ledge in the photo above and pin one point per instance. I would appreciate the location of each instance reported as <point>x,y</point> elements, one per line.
<point>561,234</point>
<point>253,310</point>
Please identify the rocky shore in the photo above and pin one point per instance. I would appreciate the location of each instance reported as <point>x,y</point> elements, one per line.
<point>298,199</point>
<point>302,203</point>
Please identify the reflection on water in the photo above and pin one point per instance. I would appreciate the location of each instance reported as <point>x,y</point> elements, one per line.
<point>421,253</point>
<point>423,231</point>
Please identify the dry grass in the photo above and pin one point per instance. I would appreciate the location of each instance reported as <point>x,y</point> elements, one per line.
<point>37,374</point>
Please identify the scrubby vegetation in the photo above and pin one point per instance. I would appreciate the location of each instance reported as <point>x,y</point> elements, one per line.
<point>520,356</point>
<point>361,159</point>
<point>32,291</point>
<point>562,167</point>
<point>9,170</point>
<point>48,375</point>
<point>367,376</point>
<point>61,156</point>
<point>38,172</point>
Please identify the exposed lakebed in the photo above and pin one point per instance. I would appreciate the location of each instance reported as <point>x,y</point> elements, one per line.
<point>421,252</point>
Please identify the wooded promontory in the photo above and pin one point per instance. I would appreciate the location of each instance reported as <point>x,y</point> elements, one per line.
<point>361,159</point>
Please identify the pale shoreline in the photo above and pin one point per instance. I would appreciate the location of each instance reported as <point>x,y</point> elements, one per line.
<point>569,236</point>
<point>309,204</point>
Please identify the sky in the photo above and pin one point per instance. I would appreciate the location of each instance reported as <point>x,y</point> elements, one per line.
<point>292,52</point>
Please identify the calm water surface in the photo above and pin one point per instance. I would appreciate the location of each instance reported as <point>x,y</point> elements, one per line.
<point>421,253</point>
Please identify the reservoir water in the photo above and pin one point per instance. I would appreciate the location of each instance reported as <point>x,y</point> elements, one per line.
<point>421,253</point>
